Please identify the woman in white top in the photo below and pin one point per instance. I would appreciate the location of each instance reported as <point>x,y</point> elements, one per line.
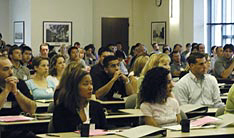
<point>57,66</point>
<point>157,103</point>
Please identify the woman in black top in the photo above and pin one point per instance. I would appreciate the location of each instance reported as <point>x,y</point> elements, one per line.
<point>73,106</point>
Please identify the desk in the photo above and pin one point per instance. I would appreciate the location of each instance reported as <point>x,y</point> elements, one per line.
<point>42,107</point>
<point>112,104</point>
<point>214,132</point>
<point>37,126</point>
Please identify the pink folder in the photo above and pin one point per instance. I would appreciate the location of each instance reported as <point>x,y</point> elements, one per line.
<point>14,118</point>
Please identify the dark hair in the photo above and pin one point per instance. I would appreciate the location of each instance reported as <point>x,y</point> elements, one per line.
<point>176,46</point>
<point>108,59</point>
<point>118,43</point>
<point>194,47</point>
<point>0,35</point>
<point>86,48</point>
<point>69,94</point>
<point>119,54</point>
<point>228,46</point>
<point>53,62</point>
<point>217,48</point>
<point>76,43</point>
<point>70,49</point>
<point>108,46</point>
<point>165,49</point>
<point>212,48</point>
<point>24,48</point>
<point>37,60</point>
<point>153,45</point>
<point>153,88</point>
<point>198,46</point>
<point>193,56</point>
<point>102,50</point>
<point>132,50</point>
<point>13,48</point>
<point>188,45</point>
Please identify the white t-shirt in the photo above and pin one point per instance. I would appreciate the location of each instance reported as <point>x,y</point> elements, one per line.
<point>162,113</point>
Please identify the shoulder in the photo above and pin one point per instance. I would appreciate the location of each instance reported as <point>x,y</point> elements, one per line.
<point>95,104</point>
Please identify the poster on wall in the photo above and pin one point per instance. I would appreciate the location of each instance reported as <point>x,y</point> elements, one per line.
<point>57,33</point>
<point>18,34</point>
<point>158,32</point>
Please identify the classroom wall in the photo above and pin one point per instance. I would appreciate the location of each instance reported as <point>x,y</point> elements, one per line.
<point>20,10</point>
<point>80,12</point>
<point>4,20</point>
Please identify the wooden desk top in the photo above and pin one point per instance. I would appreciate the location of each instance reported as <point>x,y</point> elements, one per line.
<point>192,133</point>
<point>24,122</point>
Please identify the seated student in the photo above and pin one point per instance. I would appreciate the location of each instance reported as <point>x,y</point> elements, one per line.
<point>57,65</point>
<point>40,86</point>
<point>157,103</point>
<point>224,66</point>
<point>113,85</point>
<point>197,87</point>
<point>12,89</point>
<point>229,108</point>
<point>73,106</point>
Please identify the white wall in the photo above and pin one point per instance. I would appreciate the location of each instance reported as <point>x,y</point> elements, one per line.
<point>80,12</point>
<point>20,11</point>
<point>4,20</point>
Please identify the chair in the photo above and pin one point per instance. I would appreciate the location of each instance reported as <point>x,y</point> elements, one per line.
<point>51,108</point>
<point>131,101</point>
<point>50,126</point>
<point>220,111</point>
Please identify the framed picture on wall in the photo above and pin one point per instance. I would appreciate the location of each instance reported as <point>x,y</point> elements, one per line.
<point>56,33</point>
<point>158,32</point>
<point>18,34</point>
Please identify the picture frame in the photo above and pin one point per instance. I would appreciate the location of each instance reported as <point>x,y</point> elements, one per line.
<point>56,33</point>
<point>19,32</point>
<point>158,32</point>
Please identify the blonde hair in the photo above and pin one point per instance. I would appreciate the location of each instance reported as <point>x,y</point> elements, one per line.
<point>139,65</point>
<point>154,60</point>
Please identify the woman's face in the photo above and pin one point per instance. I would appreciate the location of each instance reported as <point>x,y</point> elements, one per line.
<point>165,64</point>
<point>170,84</point>
<point>43,68</point>
<point>86,87</point>
<point>60,64</point>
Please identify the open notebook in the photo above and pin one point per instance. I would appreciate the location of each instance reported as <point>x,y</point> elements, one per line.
<point>14,118</point>
<point>193,107</point>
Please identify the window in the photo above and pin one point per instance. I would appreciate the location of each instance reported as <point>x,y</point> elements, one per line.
<point>220,22</point>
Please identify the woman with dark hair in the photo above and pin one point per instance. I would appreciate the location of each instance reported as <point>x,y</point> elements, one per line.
<point>40,86</point>
<point>73,106</point>
<point>57,66</point>
<point>157,103</point>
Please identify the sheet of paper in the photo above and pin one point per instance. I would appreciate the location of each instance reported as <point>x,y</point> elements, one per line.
<point>226,119</point>
<point>14,118</point>
<point>139,131</point>
<point>204,120</point>
<point>190,107</point>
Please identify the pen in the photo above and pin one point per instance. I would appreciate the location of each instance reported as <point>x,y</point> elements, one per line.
<point>52,135</point>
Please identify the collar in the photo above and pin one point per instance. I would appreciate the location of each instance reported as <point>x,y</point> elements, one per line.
<point>194,78</point>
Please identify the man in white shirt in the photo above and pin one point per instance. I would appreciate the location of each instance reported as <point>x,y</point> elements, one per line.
<point>197,87</point>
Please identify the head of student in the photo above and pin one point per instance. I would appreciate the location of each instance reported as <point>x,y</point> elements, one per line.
<point>41,65</point>
<point>44,49</point>
<point>228,50</point>
<point>57,64</point>
<point>73,53</point>
<point>156,86</point>
<point>26,54</point>
<point>111,65</point>
<point>104,52</point>
<point>201,48</point>
<point>15,53</point>
<point>75,86</point>
<point>219,51</point>
<point>177,47</point>
<point>197,63</point>
<point>6,68</point>
<point>155,46</point>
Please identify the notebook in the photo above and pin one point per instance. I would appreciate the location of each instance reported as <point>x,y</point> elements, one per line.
<point>15,118</point>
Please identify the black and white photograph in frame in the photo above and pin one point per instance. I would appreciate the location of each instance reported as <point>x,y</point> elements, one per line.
<point>18,34</point>
<point>57,33</point>
<point>158,32</point>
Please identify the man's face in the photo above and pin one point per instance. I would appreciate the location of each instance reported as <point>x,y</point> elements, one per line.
<point>177,48</point>
<point>104,54</point>
<point>74,54</point>
<point>119,47</point>
<point>176,57</point>
<point>27,55</point>
<point>44,51</point>
<point>16,55</point>
<point>112,67</point>
<point>6,69</point>
<point>219,52</point>
<point>201,48</point>
<point>228,53</point>
<point>156,47</point>
<point>199,68</point>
